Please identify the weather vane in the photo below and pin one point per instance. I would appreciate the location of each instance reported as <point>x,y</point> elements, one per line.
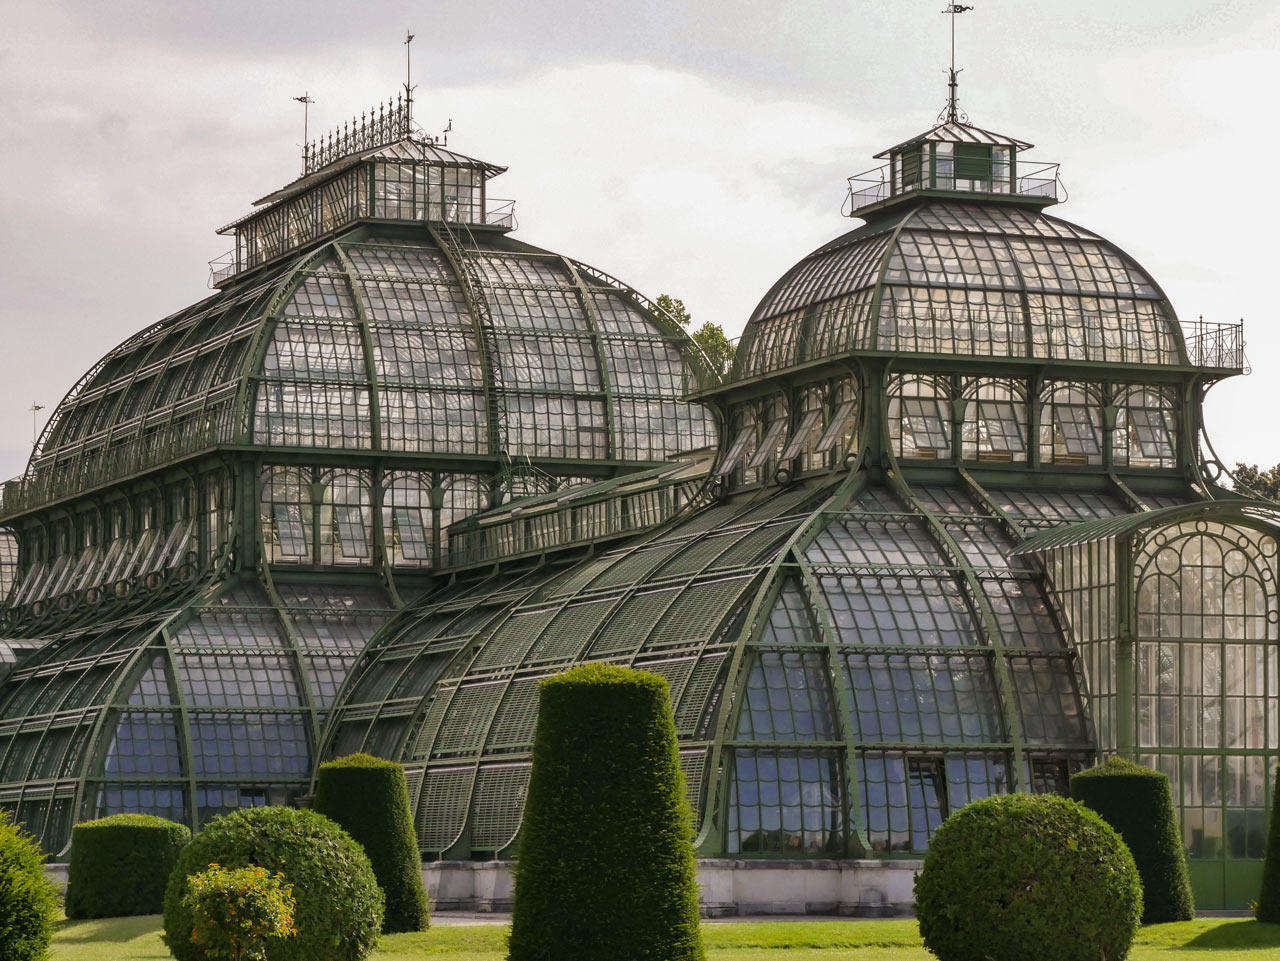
<point>952,113</point>
<point>306,102</point>
<point>35,429</point>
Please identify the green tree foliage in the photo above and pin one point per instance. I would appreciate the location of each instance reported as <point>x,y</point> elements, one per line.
<point>1252,480</point>
<point>370,799</point>
<point>237,913</point>
<point>1138,803</point>
<point>28,899</point>
<point>339,910</point>
<point>121,864</point>
<point>1027,876</point>
<point>1268,906</point>
<point>605,868</point>
<point>716,346</point>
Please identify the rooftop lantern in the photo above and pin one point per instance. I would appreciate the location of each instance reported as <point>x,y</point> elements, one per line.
<point>954,157</point>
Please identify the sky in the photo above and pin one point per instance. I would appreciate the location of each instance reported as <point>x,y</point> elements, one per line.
<point>694,148</point>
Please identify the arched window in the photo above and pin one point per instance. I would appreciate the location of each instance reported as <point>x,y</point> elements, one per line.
<point>1146,428</point>
<point>346,519</point>
<point>408,530</point>
<point>776,420</point>
<point>1070,424</point>
<point>464,496</point>
<point>742,442</point>
<point>995,425</point>
<point>1206,664</point>
<point>920,417</point>
<point>287,515</point>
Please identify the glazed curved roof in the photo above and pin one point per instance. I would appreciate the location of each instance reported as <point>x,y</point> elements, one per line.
<point>961,277</point>
<point>755,612</point>
<point>388,341</point>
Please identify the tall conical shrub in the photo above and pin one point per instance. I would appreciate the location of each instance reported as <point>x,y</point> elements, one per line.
<point>368,797</point>
<point>1269,897</point>
<point>605,868</point>
<point>1137,802</point>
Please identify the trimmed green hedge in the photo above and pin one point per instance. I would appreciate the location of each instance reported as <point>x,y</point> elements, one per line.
<point>121,864</point>
<point>370,799</point>
<point>1268,906</point>
<point>339,910</point>
<point>1027,876</point>
<point>605,868</point>
<point>28,899</point>
<point>1138,803</point>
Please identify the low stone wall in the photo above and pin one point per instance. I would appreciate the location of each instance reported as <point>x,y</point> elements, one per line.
<point>728,888</point>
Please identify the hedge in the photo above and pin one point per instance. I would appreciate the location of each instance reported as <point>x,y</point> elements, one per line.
<point>1138,803</point>
<point>605,868</point>
<point>1268,906</point>
<point>120,865</point>
<point>339,910</point>
<point>369,798</point>
<point>28,899</point>
<point>1019,876</point>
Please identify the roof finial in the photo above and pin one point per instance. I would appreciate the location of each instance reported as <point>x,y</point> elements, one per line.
<point>953,113</point>
<point>306,102</point>
<point>408,77</point>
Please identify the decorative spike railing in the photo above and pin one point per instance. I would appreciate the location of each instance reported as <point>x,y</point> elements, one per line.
<point>381,125</point>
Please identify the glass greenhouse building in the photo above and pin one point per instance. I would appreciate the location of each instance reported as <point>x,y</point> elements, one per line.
<point>948,527</point>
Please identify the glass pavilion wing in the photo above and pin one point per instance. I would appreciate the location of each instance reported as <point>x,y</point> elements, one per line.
<point>935,703</point>
<point>1200,656</point>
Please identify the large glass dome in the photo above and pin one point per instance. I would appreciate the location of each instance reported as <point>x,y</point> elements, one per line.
<point>964,278</point>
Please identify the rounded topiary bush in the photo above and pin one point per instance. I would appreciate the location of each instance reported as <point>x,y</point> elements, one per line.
<point>1138,803</point>
<point>28,899</point>
<point>1268,906</point>
<point>120,865</point>
<point>369,798</point>
<point>605,868</point>
<point>1027,876</point>
<point>339,911</point>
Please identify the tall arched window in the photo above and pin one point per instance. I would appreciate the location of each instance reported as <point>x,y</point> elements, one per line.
<point>464,495</point>
<point>1208,705</point>
<point>995,424</point>
<point>408,530</point>
<point>920,417</point>
<point>287,515</point>
<point>1146,428</point>
<point>346,519</point>
<point>1070,424</point>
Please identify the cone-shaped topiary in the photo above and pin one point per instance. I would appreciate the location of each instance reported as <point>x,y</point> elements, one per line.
<point>28,899</point>
<point>1268,907</point>
<point>339,906</point>
<point>605,868</point>
<point>1137,802</point>
<point>121,864</point>
<point>1027,876</point>
<point>370,799</point>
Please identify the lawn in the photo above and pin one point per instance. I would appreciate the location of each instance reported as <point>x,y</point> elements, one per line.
<point>1207,939</point>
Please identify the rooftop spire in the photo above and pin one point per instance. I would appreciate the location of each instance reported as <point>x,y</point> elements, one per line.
<point>408,74</point>
<point>952,113</point>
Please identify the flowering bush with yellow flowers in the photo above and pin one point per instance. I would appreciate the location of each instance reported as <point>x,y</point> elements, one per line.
<point>237,912</point>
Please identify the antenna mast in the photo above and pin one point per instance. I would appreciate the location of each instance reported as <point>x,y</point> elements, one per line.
<point>408,75</point>
<point>306,102</point>
<point>953,113</point>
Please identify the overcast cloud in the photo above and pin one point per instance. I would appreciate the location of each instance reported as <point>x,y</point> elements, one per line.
<point>694,148</point>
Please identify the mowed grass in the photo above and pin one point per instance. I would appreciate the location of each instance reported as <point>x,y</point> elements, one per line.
<point>1206,939</point>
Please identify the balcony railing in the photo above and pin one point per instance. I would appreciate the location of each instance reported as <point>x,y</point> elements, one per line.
<point>1215,345</point>
<point>877,185</point>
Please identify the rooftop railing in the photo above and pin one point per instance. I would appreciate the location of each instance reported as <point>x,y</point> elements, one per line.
<point>1217,346</point>
<point>877,185</point>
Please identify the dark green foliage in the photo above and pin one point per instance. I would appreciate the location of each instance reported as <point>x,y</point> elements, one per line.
<point>28,899</point>
<point>1137,802</point>
<point>339,911</point>
<point>369,798</point>
<point>1268,906</point>
<point>605,868</point>
<point>1027,876</point>
<point>121,864</point>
